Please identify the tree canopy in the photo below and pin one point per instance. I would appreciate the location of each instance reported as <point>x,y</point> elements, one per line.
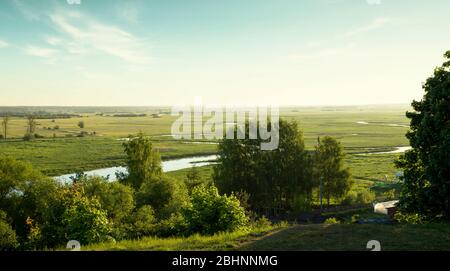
<point>426,188</point>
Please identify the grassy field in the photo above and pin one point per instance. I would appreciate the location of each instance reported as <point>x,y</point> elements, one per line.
<point>308,237</point>
<point>354,237</point>
<point>67,155</point>
<point>360,129</point>
<point>221,241</point>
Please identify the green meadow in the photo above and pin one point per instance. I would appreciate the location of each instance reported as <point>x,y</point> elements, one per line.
<point>360,130</point>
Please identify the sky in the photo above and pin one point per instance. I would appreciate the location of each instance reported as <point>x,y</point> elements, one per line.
<point>166,52</point>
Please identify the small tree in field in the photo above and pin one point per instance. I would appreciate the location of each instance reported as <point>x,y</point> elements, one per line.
<point>31,127</point>
<point>329,168</point>
<point>81,124</point>
<point>5,121</point>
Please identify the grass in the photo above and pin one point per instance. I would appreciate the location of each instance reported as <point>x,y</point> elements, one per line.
<point>67,153</point>
<point>221,241</point>
<point>354,237</point>
<point>307,237</point>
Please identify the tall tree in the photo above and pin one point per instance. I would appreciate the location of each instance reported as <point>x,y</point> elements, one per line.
<point>31,124</point>
<point>143,162</point>
<point>329,168</point>
<point>273,179</point>
<point>426,187</point>
<point>5,122</point>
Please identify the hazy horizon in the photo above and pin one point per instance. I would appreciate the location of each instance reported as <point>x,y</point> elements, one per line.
<point>287,53</point>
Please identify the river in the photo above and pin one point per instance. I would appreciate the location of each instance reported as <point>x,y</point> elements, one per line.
<point>167,166</point>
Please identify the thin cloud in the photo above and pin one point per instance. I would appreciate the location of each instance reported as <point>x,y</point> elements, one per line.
<point>54,41</point>
<point>375,24</point>
<point>26,12</point>
<point>40,52</point>
<point>82,34</point>
<point>3,44</point>
<point>127,11</point>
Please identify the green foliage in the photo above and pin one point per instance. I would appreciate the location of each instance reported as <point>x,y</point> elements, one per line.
<point>355,218</point>
<point>193,179</point>
<point>301,204</point>
<point>409,218</point>
<point>426,188</point>
<point>24,192</point>
<point>5,123</point>
<point>262,223</point>
<point>8,239</point>
<point>210,212</point>
<point>272,178</point>
<point>359,197</point>
<point>165,195</point>
<point>141,223</point>
<point>175,225</point>
<point>115,198</point>
<point>390,194</point>
<point>74,216</point>
<point>331,221</point>
<point>81,124</point>
<point>143,162</point>
<point>28,137</point>
<point>328,166</point>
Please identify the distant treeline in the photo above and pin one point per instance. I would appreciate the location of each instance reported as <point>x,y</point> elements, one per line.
<point>84,109</point>
<point>129,115</point>
<point>41,115</point>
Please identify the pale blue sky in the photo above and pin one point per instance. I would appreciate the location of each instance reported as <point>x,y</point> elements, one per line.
<point>311,52</point>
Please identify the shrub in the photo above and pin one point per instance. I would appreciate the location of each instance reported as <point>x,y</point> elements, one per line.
<point>331,221</point>
<point>359,197</point>
<point>390,194</point>
<point>74,216</point>
<point>409,218</point>
<point>115,198</point>
<point>8,239</point>
<point>210,212</point>
<point>301,204</point>
<point>28,137</point>
<point>165,195</point>
<point>262,223</point>
<point>175,225</point>
<point>139,224</point>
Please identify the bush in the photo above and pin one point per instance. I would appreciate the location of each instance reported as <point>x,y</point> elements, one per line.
<point>74,216</point>
<point>175,225</point>
<point>301,204</point>
<point>210,212</point>
<point>28,137</point>
<point>262,223</point>
<point>331,221</point>
<point>409,218</point>
<point>165,195</point>
<point>139,224</point>
<point>8,239</point>
<point>390,194</point>
<point>115,198</point>
<point>359,197</point>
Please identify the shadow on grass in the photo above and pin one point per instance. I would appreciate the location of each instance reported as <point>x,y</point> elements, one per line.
<point>354,237</point>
